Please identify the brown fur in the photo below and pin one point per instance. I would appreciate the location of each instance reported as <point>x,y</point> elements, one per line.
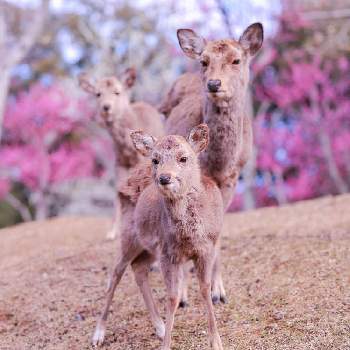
<point>119,119</point>
<point>176,221</point>
<point>189,102</point>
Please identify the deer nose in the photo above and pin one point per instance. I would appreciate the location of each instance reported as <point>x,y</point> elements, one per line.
<point>214,85</point>
<point>164,179</point>
<point>106,107</point>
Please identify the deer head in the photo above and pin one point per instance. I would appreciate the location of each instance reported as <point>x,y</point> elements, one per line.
<point>175,164</point>
<point>224,63</point>
<point>111,93</point>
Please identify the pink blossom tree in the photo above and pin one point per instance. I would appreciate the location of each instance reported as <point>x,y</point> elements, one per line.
<point>47,140</point>
<point>302,128</point>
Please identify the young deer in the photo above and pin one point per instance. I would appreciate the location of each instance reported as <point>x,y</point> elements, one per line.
<point>216,96</point>
<point>119,117</point>
<point>177,218</point>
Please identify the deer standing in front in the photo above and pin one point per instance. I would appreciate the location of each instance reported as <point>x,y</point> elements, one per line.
<point>177,218</point>
<point>120,116</point>
<point>216,96</point>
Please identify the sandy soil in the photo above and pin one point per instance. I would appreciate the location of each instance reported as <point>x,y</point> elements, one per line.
<point>286,270</point>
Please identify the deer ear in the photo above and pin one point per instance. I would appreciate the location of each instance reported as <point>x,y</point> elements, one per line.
<point>85,83</point>
<point>191,44</point>
<point>252,38</point>
<point>128,77</point>
<point>142,142</point>
<point>199,137</point>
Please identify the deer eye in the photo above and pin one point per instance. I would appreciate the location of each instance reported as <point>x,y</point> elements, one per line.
<point>236,61</point>
<point>98,94</point>
<point>183,159</point>
<point>155,161</point>
<point>204,63</point>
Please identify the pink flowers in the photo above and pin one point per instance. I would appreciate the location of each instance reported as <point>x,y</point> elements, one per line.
<point>47,141</point>
<point>303,134</point>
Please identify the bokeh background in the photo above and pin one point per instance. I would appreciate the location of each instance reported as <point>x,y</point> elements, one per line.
<point>55,159</point>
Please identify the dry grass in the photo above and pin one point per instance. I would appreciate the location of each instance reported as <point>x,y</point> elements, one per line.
<point>287,273</point>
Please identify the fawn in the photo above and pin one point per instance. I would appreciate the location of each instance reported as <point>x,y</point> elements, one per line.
<point>176,218</point>
<point>119,116</point>
<point>216,96</point>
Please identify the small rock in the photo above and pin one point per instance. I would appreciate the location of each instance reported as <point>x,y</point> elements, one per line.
<point>79,317</point>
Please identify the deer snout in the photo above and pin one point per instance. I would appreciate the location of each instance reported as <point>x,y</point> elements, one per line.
<point>106,107</point>
<point>214,85</point>
<point>164,179</point>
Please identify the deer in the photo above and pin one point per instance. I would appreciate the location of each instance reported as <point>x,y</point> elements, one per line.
<point>216,95</point>
<point>119,116</point>
<point>173,214</point>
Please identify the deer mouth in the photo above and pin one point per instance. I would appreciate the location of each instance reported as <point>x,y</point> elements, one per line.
<point>219,92</point>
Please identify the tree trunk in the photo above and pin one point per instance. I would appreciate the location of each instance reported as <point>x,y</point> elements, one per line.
<point>4,86</point>
<point>326,147</point>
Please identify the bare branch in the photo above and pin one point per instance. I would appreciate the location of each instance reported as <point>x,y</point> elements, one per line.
<point>28,39</point>
<point>19,206</point>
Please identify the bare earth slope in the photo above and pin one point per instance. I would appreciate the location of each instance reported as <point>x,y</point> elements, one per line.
<point>287,273</point>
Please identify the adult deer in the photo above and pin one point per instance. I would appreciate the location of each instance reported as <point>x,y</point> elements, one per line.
<point>120,116</point>
<point>216,96</point>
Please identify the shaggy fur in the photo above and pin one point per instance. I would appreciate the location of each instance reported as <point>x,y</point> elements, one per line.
<point>176,218</point>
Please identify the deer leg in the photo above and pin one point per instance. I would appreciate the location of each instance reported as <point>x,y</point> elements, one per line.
<point>115,230</point>
<point>184,286</point>
<point>141,267</point>
<point>204,267</point>
<point>172,274</point>
<point>117,274</point>
<point>218,292</point>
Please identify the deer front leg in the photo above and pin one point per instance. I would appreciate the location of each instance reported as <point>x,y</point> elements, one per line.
<point>204,267</point>
<point>218,292</point>
<point>172,274</point>
<point>184,285</point>
<point>115,230</point>
<point>129,253</point>
<point>141,267</point>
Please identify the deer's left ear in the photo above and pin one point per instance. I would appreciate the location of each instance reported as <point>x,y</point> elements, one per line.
<point>252,38</point>
<point>199,137</point>
<point>128,77</point>
<point>142,142</point>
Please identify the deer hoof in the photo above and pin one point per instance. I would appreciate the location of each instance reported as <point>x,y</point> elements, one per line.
<point>183,304</point>
<point>215,299</point>
<point>223,299</point>
<point>99,336</point>
<point>160,330</point>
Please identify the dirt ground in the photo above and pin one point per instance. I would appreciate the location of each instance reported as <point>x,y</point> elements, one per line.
<point>286,271</point>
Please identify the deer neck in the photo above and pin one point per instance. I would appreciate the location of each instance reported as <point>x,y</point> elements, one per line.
<point>183,210</point>
<point>226,124</point>
<point>119,129</point>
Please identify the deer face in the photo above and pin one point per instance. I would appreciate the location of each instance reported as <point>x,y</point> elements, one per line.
<point>111,93</point>
<point>174,159</point>
<point>224,63</point>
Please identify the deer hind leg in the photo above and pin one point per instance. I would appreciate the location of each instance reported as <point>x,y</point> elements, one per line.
<point>218,292</point>
<point>141,267</point>
<point>204,267</point>
<point>128,255</point>
<point>172,274</point>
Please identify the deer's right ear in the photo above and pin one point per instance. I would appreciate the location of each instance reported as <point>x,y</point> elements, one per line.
<point>142,142</point>
<point>85,83</point>
<point>191,44</point>
<point>199,137</point>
